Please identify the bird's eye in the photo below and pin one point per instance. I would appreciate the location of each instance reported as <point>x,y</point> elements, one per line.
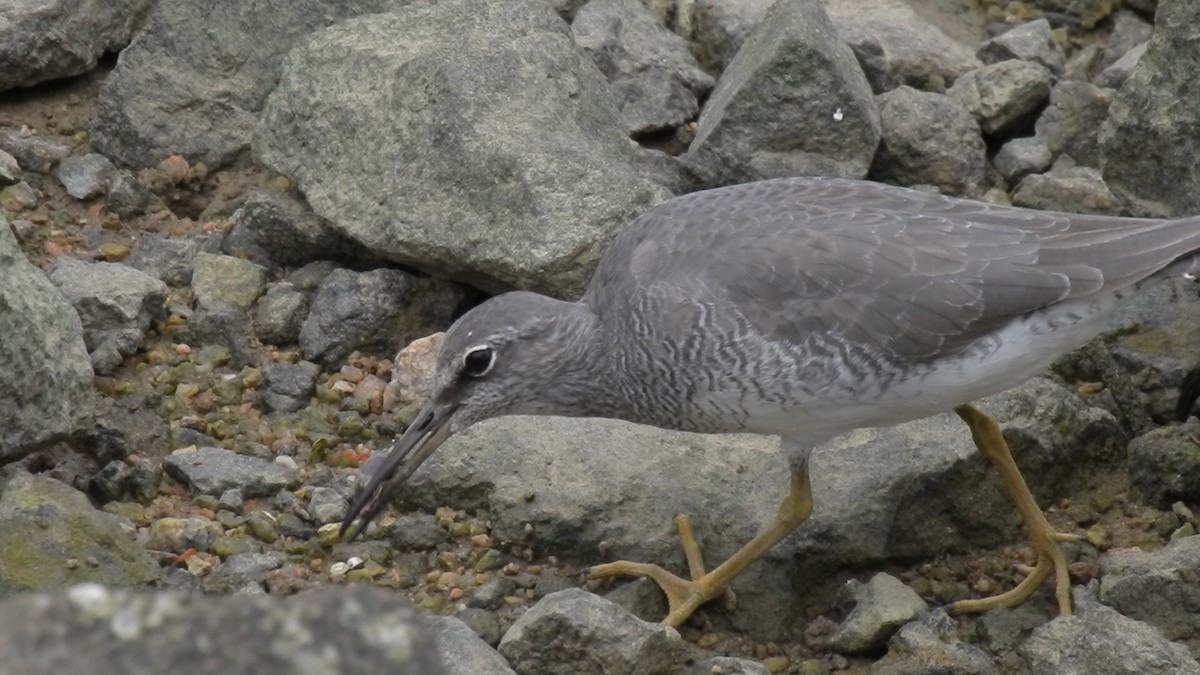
<point>478,361</point>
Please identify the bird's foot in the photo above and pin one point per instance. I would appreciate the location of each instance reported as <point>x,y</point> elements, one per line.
<point>683,596</point>
<point>1050,560</point>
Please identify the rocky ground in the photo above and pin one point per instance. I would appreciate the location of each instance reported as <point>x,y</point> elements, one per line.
<point>242,355</point>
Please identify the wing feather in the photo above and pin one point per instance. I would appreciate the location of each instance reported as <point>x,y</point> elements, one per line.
<point>909,274</point>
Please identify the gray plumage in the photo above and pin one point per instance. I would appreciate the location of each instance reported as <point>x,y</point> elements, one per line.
<point>802,307</point>
<point>768,306</point>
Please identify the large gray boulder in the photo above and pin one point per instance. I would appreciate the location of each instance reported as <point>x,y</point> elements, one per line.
<point>655,79</point>
<point>116,304</point>
<point>896,46</point>
<point>193,80</point>
<point>45,373</point>
<point>93,629</point>
<point>1151,139</point>
<point>466,139</point>
<point>43,40</point>
<point>794,101</point>
<point>1097,639</point>
<point>929,139</point>
<point>52,536</point>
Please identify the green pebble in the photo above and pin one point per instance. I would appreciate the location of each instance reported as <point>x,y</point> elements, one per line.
<point>1185,530</point>
<point>350,425</point>
<point>262,528</point>
<point>215,355</point>
<point>329,534</point>
<point>228,392</point>
<point>207,502</point>
<point>232,544</point>
<point>490,560</point>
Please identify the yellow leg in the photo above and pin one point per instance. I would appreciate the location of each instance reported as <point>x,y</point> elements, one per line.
<point>683,597</point>
<point>1045,539</point>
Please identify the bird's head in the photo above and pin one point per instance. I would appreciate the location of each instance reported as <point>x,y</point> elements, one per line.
<point>498,359</point>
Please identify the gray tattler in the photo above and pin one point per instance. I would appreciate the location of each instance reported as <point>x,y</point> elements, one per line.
<point>802,308</point>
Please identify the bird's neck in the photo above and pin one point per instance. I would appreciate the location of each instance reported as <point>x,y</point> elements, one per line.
<point>582,371</point>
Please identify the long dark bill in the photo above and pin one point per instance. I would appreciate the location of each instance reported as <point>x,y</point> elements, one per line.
<point>383,478</point>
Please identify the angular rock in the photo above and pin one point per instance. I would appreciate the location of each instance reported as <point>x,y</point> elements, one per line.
<point>115,302</point>
<point>19,197</point>
<point>1075,189</point>
<point>44,40</point>
<point>124,427</point>
<point>325,505</point>
<point>144,480</point>
<point>280,314</point>
<point>1003,95</point>
<point>175,90</point>
<point>167,259</point>
<point>1115,76</point>
<point>931,645</point>
<point>1096,639</point>
<point>358,630</point>
<point>287,387</point>
<point>278,230</point>
<point>1020,157</point>
<point>51,536</point>
<point>1031,41</point>
<point>180,534</point>
<point>1161,588</point>
<point>1151,339</point>
<point>242,571</point>
<point>218,279</point>
<point>1071,123</point>
<point>485,624</point>
<point>576,631</point>
<point>896,46</point>
<point>1150,140</point>
<point>10,170</point>
<point>1001,630</point>
<point>417,532</point>
<point>46,389</point>
<point>491,593</point>
<point>721,28</point>
<point>1164,465</point>
<point>881,605</point>
<point>32,152</point>
<point>928,139</point>
<point>374,311</point>
<point>1129,31</point>
<point>126,196</point>
<point>386,122</point>
<point>654,77</point>
<point>463,652</point>
<point>765,120</point>
<point>110,482</point>
<point>311,276</point>
<point>85,176</point>
<point>222,324</point>
<point>212,471</point>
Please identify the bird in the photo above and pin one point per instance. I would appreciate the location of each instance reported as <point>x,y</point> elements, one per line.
<point>799,307</point>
